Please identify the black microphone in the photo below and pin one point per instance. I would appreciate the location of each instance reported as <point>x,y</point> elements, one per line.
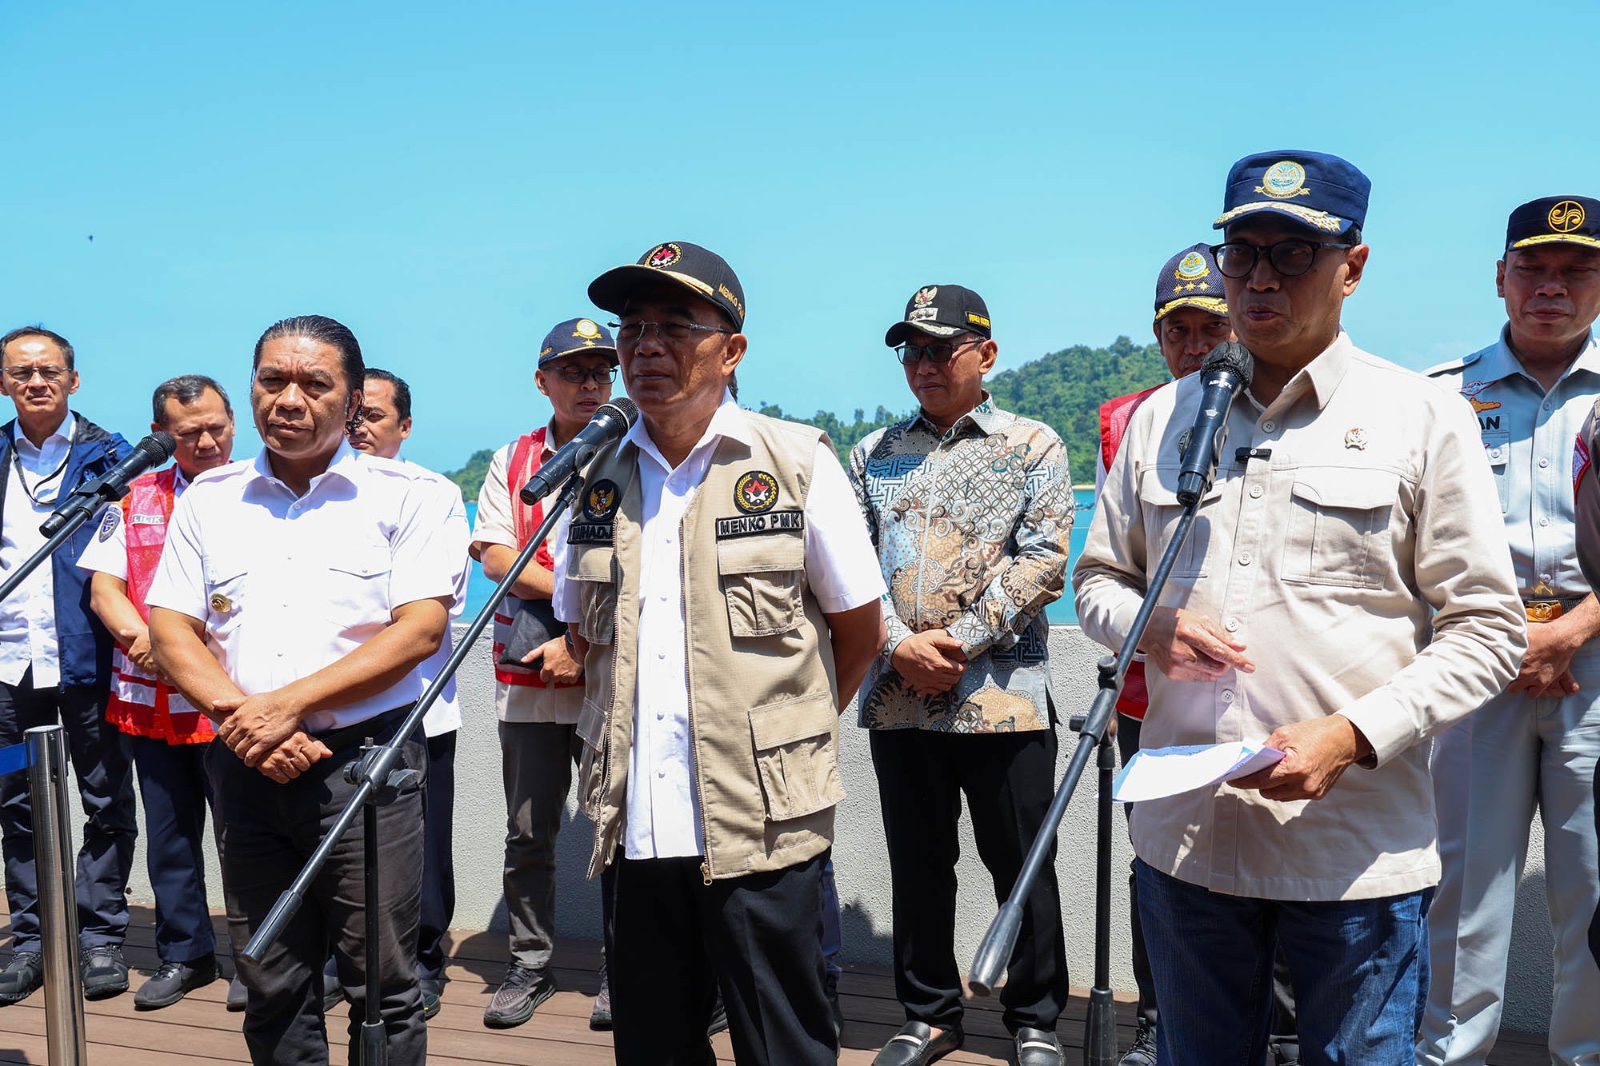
<point>151,452</point>
<point>1225,373</point>
<point>608,423</point>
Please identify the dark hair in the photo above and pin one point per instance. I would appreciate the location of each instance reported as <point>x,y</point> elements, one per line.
<point>329,331</point>
<point>40,331</point>
<point>186,389</point>
<point>1352,236</point>
<point>402,391</point>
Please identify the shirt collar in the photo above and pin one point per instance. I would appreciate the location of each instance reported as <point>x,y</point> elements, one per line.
<point>65,433</point>
<point>985,416</point>
<point>729,420</point>
<point>1321,376</point>
<point>1501,362</point>
<point>345,464</point>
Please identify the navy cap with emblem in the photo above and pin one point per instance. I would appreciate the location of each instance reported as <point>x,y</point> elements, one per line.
<point>577,336</point>
<point>699,270</point>
<point>1190,279</point>
<point>1321,192</point>
<point>1555,220</point>
<point>941,311</point>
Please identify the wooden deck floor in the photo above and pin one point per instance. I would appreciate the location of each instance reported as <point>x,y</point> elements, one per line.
<point>199,1030</point>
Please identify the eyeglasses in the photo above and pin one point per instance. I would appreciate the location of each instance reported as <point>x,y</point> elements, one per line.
<point>937,354</point>
<point>577,375</point>
<point>24,374</point>
<point>633,332</point>
<point>1291,258</point>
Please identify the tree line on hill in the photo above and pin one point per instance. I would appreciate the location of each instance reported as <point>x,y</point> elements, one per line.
<point>1064,390</point>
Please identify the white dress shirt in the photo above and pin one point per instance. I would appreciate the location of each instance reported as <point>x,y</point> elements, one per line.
<point>663,817</point>
<point>28,615</point>
<point>445,714</point>
<point>287,585</point>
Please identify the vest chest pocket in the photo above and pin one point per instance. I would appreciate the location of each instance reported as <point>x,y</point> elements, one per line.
<point>1497,449</point>
<point>1337,521</point>
<point>762,580</point>
<point>796,757</point>
<point>592,568</point>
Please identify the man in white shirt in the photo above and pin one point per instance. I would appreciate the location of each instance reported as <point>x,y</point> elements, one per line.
<point>298,597</point>
<point>715,670</point>
<point>537,699</point>
<point>385,425</point>
<point>55,665</point>
<point>166,736</point>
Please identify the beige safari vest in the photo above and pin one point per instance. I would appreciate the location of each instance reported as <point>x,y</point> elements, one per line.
<point>762,705</point>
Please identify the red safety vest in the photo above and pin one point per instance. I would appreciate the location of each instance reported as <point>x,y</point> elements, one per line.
<point>526,458</point>
<point>140,704</point>
<point>1115,414</point>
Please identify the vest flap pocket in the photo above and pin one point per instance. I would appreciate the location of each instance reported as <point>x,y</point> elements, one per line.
<point>1335,486</point>
<point>591,723</point>
<point>592,568</point>
<point>1158,486</point>
<point>590,563</point>
<point>1339,515</point>
<point>762,554</point>
<point>364,560</point>
<point>796,756</point>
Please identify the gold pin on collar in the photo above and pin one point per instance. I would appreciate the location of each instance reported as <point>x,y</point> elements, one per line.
<point>220,603</point>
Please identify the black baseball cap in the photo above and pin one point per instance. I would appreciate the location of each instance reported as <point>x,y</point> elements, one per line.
<point>1555,220</point>
<point>941,311</point>
<point>702,272</point>
<point>577,335</point>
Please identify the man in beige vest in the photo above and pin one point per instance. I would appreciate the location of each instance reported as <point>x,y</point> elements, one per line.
<point>723,596</point>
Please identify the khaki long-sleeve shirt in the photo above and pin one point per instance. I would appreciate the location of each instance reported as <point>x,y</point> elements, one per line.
<point>1359,554</point>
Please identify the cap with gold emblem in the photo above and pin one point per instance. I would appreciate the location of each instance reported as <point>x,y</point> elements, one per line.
<point>1555,220</point>
<point>676,263</point>
<point>1190,279</point>
<point>578,336</point>
<point>1321,192</point>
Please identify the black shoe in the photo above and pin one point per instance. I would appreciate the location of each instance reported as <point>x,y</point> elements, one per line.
<point>830,988</point>
<point>1143,1051</point>
<point>719,1017</point>
<point>104,972</point>
<point>915,1045</point>
<point>332,991</point>
<point>431,991</point>
<point>600,1017</point>
<point>238,998</point>
<point>1035,1047</point>
<point>21,977</point>
<point>1286,1053</point>
<point>174,981</point>
<point>518,997</point>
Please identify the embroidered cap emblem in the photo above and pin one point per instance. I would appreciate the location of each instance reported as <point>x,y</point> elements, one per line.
<point>1283,180</point>
<point>108,524</point>
<point>663,256</point>
<point>756,491</point>
<point>601,503</point>
<point>1565,217</point>
<point>1192,266</point>
<point>220,603</point>
<point>586,329</point>
<point>924,297</point>
<point>1356,438</point>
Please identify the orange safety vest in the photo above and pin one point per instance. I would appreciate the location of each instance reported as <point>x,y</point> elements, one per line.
<point>526,458</point>
<point>1115,414</point>
<point>140,704</point>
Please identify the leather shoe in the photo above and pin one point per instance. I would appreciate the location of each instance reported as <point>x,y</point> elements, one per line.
<point>104,972</point>
<point>915,1045</point>
<point>21,977</point>
<point>1036,1047</point>
<point>1143,1051</point>
<point>173,981</point>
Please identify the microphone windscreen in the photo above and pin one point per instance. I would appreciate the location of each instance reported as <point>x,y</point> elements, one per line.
<point>159,446</point>
<point>624,407</point>
<point>1231,355</point>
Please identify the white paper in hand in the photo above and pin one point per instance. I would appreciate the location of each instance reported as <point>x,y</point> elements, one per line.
<point>1162,772</point>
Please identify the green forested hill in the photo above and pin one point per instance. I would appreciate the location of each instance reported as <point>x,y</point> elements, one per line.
<point>1064,390</point>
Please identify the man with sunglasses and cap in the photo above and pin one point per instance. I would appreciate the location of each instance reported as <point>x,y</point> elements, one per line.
<point>723,597</point>
<point>970,509</point>
<point>1535,742</point>
<point>537,692</point>
<point>1344,595</point>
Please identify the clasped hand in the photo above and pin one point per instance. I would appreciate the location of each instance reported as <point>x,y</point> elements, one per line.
<point>931,662</point>
<point>264,731</point>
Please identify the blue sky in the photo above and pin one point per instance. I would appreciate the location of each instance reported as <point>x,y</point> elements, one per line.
<point>447,179</point>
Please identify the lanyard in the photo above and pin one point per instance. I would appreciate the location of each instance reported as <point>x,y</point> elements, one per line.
<point>16,460</point>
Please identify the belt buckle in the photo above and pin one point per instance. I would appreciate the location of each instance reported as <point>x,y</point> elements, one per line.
<point>1542,610</point>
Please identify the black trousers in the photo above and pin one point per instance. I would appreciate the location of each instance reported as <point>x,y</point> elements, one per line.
<point>438,860</point>
<point>265,834</point>
<point>1008,780</point>
<point>104,773</point>
<point>757,937</point>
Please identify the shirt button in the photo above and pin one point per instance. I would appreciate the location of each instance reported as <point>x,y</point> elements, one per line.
<point>1544,521</point>
<point>1227,695</point>
<point>1231,625</point>
<point>661,773</point>
<point>1269,425</point>
<point>660,715</point>
<point>1244,558</point>
<point>661,655</point>
<point>1545,578</point>
<point>1544,462</point>
<point>1547,405</point>
<point>1255,492</point>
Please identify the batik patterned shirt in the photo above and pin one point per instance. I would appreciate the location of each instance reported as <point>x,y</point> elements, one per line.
<point>971,529</point>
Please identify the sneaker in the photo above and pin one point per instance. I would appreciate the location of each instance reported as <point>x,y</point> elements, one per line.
<point>21,977</point>
<point>431,991</point>
<point>830,987</point>
<point>238,998</point>
<point>518,997</point>
<point>173,981</point>
<point>600,1017</point>
<point>1143,1051</point>
<point>104,972</point>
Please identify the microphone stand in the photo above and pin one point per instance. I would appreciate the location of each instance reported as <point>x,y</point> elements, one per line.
<point>375,771</point>
<point>1094,733</point>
